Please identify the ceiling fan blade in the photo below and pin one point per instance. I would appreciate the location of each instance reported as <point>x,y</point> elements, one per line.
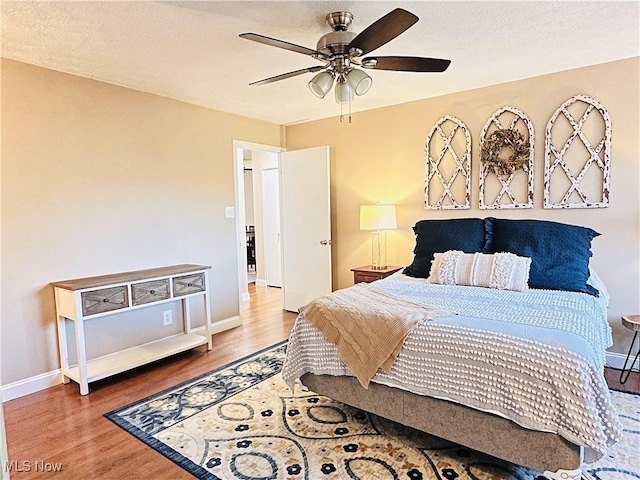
<point>282,76</point>
<point>274,42</point>
<point>406,64</point>
<point>383,30</point>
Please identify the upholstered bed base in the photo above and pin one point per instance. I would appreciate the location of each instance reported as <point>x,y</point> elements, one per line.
<point>457,423</point>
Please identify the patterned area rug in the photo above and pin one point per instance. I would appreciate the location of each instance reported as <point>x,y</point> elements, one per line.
<point>242,422</point>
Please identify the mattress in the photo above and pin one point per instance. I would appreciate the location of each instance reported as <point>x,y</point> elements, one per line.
<point>534,357</point>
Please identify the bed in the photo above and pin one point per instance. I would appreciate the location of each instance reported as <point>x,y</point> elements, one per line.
<point>514,373</point>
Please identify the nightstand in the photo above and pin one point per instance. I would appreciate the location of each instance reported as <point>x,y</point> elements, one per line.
<point>632,322</point>
<point>368,274</point>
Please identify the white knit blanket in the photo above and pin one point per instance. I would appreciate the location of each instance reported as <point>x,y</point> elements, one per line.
<point>505,353</point>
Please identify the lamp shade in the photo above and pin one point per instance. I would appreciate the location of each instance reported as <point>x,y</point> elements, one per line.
<point>321,84</point>
<point>378,217</point>
<point>344,94</point>
<point>359,81</point>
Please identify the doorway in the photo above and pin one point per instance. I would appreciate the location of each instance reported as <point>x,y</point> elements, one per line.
<point>249,216</point>
<point>257,216</point>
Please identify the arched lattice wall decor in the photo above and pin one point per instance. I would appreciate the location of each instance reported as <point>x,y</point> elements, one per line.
<point>577,173</point>
<point>447,164</point>
<point>515,189</point>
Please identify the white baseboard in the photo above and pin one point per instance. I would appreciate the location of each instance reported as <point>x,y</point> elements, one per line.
<point>261,283</point>
<point>616,360</point>
<point>31,385</point>
<point>225,324</point>
<point>51,379</point>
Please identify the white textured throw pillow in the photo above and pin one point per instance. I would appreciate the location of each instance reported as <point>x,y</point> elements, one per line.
<point>504,271</point>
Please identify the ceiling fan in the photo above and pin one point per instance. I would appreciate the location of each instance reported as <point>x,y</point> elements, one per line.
<point>342,51</point>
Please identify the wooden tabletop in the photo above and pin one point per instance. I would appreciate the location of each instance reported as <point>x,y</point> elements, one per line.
<point>369,268</point>
<point>115,278</point>
<point>632,322</point>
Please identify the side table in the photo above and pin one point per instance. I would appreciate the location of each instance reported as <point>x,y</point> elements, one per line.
<point>369,274</point>
<point>632,322</point>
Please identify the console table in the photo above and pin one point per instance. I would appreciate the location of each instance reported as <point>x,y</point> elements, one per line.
<point>86,299</point>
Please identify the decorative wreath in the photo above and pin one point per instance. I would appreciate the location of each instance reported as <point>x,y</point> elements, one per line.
<point>499,139</point>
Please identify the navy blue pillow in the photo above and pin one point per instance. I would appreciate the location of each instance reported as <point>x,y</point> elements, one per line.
<point>559,252</point>
<point>466,234</point>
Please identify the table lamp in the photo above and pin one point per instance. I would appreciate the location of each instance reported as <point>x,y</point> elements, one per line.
<point>378,218</point>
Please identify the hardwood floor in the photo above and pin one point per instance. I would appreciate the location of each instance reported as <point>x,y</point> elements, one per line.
<point>58,425</point>
<point>613,380</point>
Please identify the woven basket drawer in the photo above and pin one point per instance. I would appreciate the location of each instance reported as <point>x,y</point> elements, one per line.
<point>147,292</point>
<point>104,300</point>
<point>188,284</point>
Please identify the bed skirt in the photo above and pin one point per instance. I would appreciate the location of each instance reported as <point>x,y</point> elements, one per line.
<point>481,431</point>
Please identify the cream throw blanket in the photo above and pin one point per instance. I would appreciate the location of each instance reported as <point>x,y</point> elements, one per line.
<point>368,326</point>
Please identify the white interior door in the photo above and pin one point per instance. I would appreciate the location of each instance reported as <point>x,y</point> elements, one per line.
<point>271,222</point>
<point>305,225</point>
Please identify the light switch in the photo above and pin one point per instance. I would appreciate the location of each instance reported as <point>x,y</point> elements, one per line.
<point>229,212</point>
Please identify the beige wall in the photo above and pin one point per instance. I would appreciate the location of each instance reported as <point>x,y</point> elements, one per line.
<point>380,157</point>
<point>99,179</point>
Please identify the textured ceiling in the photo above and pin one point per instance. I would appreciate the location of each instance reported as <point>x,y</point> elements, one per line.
<point>191,51</point>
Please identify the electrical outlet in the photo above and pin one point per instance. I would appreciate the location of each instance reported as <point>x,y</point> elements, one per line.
<point>167,317</point>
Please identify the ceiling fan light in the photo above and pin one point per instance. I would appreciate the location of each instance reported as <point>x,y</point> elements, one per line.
<point>359,81</point>
<point>344,94</point>
<point>321,84</point>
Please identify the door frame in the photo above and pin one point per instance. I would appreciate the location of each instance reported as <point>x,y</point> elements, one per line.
<point>241,241</point>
